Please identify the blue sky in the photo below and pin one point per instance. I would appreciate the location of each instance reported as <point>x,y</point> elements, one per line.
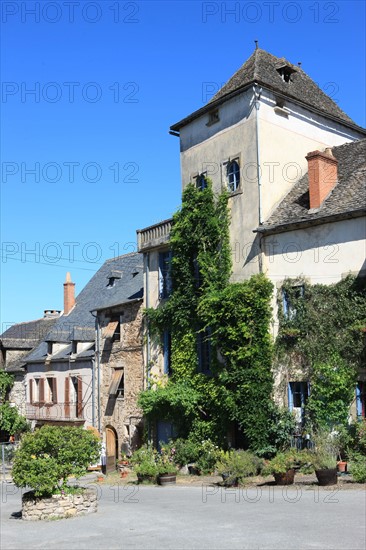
<point>87,159</point>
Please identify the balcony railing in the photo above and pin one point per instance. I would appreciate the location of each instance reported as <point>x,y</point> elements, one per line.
<point>56,412</point>
<point>154,236</point>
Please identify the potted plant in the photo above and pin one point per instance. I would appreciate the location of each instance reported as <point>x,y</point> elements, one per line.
<point>325,466</point>
<point>167,470</point>
<point>283,467</point>
<point>234,466</point>
<point>144,462</point>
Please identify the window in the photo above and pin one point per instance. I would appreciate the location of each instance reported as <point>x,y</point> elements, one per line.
<point>117,386</point>
<point>49,348</point>
<point>289,309</point>
<point>298,393</point>
<point>201,181</point>
<point>165,280</point>
<point>113,330</point>
<point>361,399</point>
<point>51,390</point>
<point>204,351</point>
<point>213,117</point>
<point>167,351</point>
<point>233,176</point>
<point>77,398</point>
<point>36,391</point>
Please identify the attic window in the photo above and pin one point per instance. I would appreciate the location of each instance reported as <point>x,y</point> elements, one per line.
<point>49,348</point>
<point>113,276</point>
<point>286,72</point>
<point>213,117</point>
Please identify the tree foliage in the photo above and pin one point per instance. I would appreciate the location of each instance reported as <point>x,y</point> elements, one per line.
<point>48,456</point>
<point>233,317</point>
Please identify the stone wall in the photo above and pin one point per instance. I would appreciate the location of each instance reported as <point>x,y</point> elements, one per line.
<point>122,413</point>
<point>58,506</point>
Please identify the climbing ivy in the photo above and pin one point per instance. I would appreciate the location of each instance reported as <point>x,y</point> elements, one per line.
<point>322,331</point>
<point>236,317</point>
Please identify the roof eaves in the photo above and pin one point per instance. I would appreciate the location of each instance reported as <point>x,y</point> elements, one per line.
<point>210,106</point>
<point>300,224</point>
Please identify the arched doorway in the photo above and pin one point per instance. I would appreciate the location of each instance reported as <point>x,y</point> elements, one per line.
<point>111,449</point>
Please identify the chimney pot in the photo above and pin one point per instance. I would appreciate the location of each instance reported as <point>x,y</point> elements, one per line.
<point>69,294</point>
<point>323,175</point>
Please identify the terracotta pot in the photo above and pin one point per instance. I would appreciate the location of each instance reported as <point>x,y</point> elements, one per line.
<point>285,479</point>
<point>327,477</point>
<point>342,466</point>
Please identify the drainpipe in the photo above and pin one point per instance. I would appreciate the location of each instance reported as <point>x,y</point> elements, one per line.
<point>97,356</point>
<point>257,94</point>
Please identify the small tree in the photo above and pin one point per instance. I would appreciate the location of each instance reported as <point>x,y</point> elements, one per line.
<point>47,457</point>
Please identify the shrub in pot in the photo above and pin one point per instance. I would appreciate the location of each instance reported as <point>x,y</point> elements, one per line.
<point>236,465</point>
<point>144,462</point>
<point>325,466</point>
<point>283,466</point>
<point>167,469</point>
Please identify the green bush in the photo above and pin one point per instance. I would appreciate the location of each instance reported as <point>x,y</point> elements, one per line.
<point>357,467</point>
<point>186,451</point>
<point>285,461</point>
<point>208,456</point>
<point>237,465</point>
<point>11,421</point>
<point>48,456</point>
<point>145,461</point>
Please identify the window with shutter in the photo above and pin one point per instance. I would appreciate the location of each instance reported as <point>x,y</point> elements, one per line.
<point>31,391</point>
<point>41,391</point>
<point>79,398</point>
<point>67,397</point>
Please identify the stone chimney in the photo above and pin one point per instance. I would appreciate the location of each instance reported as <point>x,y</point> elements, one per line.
<point>69,294</point>
<point>323,176</point>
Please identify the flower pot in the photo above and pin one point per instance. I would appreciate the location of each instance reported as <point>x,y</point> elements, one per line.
<point>167,479</point>
<point>124,473</point>
<point>327,477</point>
<point>286,478</point>
<point>342,466</point>
<point>229,481</point>
<point>144,477</point>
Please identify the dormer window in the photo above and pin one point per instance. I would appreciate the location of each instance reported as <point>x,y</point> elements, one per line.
<point>74,347</point>
<point>213,117</point>
<point>49,348</point>
<point>113,276</point>
<point>286,71</point>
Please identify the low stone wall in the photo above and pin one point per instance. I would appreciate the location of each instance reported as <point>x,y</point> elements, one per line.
<point>58,506</point>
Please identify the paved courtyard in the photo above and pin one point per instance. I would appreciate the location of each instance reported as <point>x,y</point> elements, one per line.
<point>135,517</point>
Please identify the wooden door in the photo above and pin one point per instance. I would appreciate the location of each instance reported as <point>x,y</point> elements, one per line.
<point>112,445</point>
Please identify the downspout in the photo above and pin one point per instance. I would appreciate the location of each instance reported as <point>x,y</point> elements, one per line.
<point>97,356</point>
<point>147,303</point>
<point>93,392</point>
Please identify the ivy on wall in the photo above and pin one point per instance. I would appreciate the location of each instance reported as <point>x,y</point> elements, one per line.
<point>235,316</point>
<point>322,331</point>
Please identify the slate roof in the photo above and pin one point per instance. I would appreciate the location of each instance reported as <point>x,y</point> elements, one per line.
<point>79,324</point>
<point>261,67</point>
<point>346,200</point>
<point>24,336</point>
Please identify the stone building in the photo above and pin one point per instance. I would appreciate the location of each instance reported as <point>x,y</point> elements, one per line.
<point>15,344</point>
<point>262,138</point>
<point>119,356</point>
<point>88,369</point>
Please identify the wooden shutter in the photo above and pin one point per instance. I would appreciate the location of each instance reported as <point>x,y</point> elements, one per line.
<point>41,390</point>
<point>31,390</point>
<point>54,390</point>
<point>67,396</point>
<point>80,398</point>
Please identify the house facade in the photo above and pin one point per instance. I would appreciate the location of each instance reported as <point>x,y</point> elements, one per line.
<point>88,370</point>
<point>262,137</point>
<point>15,344</point>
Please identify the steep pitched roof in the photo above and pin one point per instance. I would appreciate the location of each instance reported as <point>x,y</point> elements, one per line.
<point>79,324</point>
<point>263,68</point>
<point>348,198</point>
<point>26,335</point>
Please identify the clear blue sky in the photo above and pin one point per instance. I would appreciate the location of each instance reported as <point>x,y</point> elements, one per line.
<point>110,78</point>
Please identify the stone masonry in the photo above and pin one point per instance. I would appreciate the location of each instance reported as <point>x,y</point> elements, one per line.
<point>58,506</point>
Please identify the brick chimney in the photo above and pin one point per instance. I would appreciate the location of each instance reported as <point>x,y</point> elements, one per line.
<point>69,294</point>
<point>323,175</point>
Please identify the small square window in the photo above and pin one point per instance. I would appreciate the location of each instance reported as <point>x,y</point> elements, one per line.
<point>233,176</point>
<point>213,117</point>
<point>200,181</point>
<point>289,309</point>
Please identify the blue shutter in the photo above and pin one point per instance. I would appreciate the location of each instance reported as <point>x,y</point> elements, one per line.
<point>359,399</point>
<point>290,397</point>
